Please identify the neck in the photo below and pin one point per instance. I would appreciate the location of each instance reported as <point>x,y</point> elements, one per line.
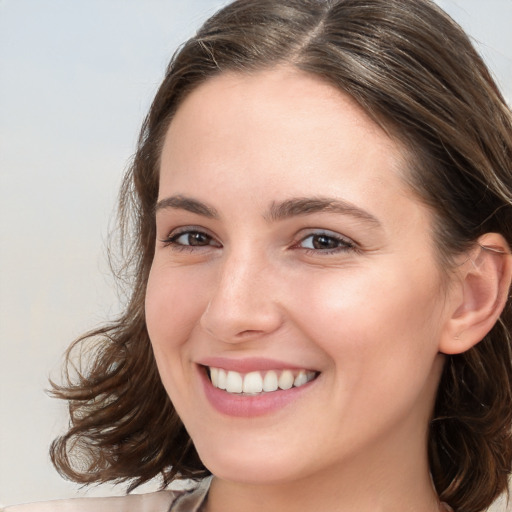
<point>391,481</point>
<point>326,495</point>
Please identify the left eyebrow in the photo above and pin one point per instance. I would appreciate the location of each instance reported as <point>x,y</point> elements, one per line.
<point>189,204</point>
<point>307,205</point>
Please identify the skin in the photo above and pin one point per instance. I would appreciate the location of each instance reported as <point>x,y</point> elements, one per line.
<point>368,316</point>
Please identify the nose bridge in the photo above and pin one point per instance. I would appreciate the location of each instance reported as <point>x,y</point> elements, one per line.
<point>242,303</point>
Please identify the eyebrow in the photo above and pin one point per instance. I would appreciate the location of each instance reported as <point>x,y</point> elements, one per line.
<point>187,203</point>
<point>306,205</point>
<point>278,210</point>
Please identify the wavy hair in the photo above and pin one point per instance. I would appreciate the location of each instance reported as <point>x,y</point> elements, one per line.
<point>415,72</point>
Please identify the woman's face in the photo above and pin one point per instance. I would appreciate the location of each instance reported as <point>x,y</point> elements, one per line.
<point>290,252</point>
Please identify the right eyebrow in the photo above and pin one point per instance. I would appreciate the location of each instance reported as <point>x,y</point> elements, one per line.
<point>308,205</point>
<point>180,202</point>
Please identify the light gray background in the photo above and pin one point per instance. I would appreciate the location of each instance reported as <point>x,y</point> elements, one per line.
<point>76,79</point>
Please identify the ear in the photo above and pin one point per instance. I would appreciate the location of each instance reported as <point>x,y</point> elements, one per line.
<point>479,296</point>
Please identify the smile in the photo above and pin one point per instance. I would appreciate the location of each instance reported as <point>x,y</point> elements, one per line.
<point>258,382</point>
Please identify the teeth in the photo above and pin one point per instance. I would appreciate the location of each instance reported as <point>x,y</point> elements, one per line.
<point>286,380</point>
<point>301,379</point>
<point>234,382</point>
<point>222,379</point>
<point>270,382</point>
<point>254,382</point>
<point>214,375</point>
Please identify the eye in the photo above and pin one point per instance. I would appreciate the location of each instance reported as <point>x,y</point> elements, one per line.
<point>326,243</point>
<point>190,238</point>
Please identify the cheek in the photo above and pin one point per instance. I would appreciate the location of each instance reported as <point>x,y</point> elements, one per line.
<point>381,340</point>
<point>174,304</point>
<point>373,320</point>
<point>173,309</point>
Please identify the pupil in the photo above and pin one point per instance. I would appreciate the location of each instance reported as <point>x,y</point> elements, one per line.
<point>324,242</point>
<point>197,239</point>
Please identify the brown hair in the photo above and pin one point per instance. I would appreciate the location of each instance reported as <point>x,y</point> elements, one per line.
<point>416,73</point>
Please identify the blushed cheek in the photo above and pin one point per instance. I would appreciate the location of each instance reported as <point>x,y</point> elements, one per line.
<point>166,329</point>
<point>334,307</point>
<point>154,308</point>
<point>172,307</point>
<point>369,317</point>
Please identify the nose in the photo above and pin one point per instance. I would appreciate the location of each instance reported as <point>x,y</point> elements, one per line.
<point>243,304</point>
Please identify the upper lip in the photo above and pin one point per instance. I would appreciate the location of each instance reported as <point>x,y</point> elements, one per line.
<point>251,364</point>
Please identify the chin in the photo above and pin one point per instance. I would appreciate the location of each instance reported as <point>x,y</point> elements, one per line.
<point>250,465</point>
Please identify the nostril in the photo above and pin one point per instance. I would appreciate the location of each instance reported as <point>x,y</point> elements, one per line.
<point>249,333</point>
<point>239,324</point>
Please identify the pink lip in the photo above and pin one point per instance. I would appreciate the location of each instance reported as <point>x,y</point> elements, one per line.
<point>247,365</point>
<point>249,406</point>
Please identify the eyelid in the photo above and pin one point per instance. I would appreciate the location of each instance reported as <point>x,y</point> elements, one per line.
<point>346,243</point>
<point>183,230</point>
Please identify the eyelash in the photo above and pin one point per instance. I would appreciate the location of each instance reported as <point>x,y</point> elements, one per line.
<point>172,240</point>
<point>342,244</point>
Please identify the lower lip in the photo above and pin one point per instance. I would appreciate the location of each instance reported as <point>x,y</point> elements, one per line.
<point>248,406</point>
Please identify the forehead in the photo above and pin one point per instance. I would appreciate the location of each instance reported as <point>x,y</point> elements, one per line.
<point>274,118</point>
<point>272,93</point>
<point>278,134</point>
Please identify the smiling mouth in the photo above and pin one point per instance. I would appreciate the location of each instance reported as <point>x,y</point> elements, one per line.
<point>258,382</point>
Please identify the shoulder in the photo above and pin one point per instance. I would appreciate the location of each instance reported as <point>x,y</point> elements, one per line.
<point>152,502</point>
<point>189,500</point>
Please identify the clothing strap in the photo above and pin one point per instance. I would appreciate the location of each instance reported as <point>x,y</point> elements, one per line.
<point>193,500</point>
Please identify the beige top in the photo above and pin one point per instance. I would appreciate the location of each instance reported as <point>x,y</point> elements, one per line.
<point>163,501</point>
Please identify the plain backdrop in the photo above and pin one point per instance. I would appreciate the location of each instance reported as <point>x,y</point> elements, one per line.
<point>76,79</point>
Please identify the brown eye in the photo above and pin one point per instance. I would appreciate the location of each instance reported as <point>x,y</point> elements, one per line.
<point>325,242</point>
<point>193,238</point>
<point>196,238</point>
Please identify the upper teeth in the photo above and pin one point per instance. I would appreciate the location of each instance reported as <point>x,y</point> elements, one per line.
<point>256,382</point>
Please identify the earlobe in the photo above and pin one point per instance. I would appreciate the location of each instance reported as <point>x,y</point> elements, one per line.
<point>481,294</point>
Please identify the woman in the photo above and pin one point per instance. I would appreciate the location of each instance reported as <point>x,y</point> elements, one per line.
<point>319,221</point>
